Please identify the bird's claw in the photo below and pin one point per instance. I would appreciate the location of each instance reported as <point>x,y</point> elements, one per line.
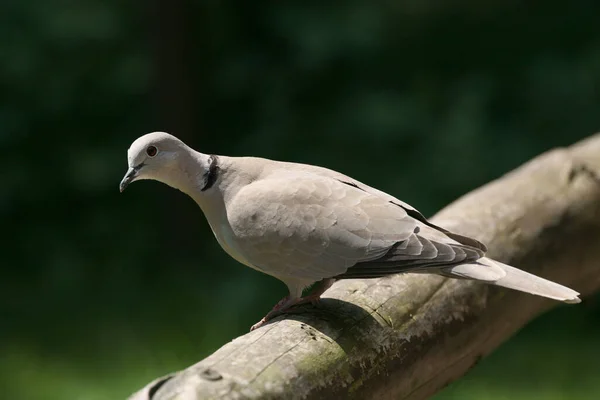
<point>258,324</point>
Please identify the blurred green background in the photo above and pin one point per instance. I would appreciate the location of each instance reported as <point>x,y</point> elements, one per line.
<point>102,292</point>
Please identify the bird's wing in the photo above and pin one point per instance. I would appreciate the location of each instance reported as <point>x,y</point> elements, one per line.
<point>435,231</point>
<point>309,227</point>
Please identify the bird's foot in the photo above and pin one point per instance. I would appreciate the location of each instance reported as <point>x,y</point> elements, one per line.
<point>313,298</point>
<point>259,323</point>
<point>281,303</point>
<point>278,309</point>
<point>286,305</point>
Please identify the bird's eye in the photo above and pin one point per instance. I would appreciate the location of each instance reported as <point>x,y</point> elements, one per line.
<point>151,151</point>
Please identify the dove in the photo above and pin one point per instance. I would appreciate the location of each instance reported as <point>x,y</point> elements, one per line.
<point>309,226</point>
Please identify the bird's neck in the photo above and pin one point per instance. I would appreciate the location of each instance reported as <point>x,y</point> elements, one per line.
<point>200,178</point>
<point>214,181</point>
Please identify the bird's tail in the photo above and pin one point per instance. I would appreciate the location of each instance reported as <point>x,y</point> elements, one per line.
<point>497,273</point>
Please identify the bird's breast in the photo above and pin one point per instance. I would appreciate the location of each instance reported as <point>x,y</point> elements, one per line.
<point>227,240</point>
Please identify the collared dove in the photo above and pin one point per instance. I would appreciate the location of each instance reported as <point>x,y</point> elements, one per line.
<point>305,224</point>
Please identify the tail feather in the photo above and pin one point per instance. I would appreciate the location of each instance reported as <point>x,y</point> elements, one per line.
<point>506,276</point>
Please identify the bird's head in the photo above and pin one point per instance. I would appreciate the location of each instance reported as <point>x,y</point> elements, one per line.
<point>156,156</point>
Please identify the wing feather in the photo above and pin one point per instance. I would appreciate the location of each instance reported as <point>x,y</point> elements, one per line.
<point>397,259</point>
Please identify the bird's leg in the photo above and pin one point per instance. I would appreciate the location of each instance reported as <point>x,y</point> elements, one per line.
<point>287,302</point>
<point>281,303</point>
<point>314,295</point>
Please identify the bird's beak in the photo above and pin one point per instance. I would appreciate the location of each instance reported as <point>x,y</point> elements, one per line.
<point>131,174</point>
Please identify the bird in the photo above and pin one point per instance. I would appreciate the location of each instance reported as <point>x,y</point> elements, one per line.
<point>309,226</point>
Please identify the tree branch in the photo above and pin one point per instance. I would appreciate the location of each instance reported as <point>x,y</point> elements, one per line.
<point>408,336</point>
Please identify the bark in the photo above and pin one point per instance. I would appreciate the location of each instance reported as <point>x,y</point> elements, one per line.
<point>408,336</point>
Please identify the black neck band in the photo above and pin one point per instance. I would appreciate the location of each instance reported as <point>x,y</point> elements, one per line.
<point>210,177</point>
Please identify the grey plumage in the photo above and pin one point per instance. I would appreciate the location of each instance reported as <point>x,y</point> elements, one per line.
<point>303,224</point>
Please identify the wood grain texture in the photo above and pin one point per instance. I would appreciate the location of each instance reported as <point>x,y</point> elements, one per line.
<point>408,336</point>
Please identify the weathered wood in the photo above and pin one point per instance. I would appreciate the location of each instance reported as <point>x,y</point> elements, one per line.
<point>408,336</point>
